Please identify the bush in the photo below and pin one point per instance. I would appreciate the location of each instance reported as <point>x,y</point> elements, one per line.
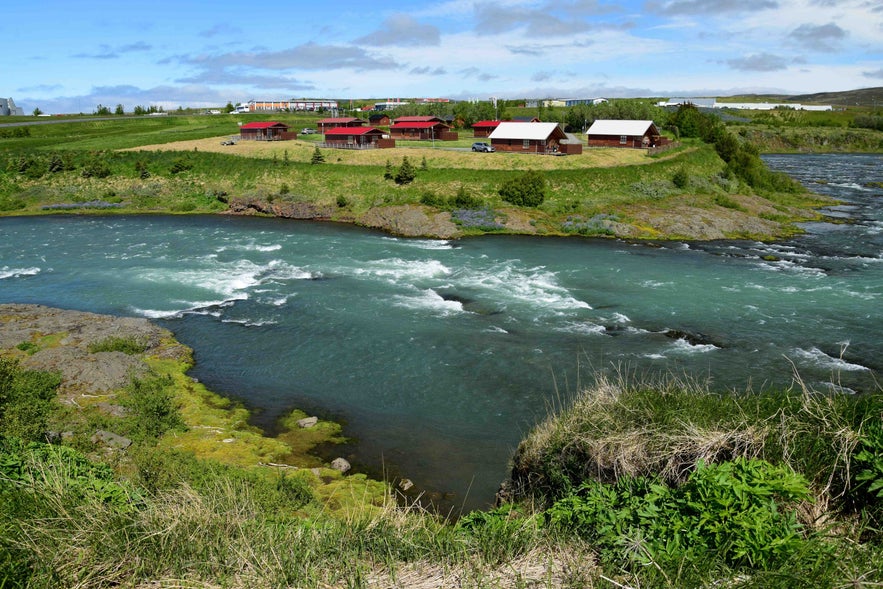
<point>26,399</point>
<point>525,190</point>
<point>180,165</point>
<point>153,408</point>
<point>681,178</point>
<point>464,200</point>
<point>317,158</point>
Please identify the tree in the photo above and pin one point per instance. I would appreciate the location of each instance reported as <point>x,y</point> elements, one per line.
<point>406,173</point>
<point>317,158</point>
<point>102,110</point>
<point>119,110</point>
<point>139,110</point>
<point>37,112</point>
<point>229,108</point>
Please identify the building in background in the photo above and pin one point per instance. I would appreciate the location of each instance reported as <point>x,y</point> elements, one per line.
<point>8,108</point>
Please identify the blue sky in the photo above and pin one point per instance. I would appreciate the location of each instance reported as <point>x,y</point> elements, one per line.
<point>71,56</point>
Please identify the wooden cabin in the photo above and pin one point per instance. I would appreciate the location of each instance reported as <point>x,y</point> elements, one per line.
<point>484,128</point>
<point>527,137</point>
<point>624,133</point>
<point>335,122</point>
<point>265,131</point>
<point>357,138</point>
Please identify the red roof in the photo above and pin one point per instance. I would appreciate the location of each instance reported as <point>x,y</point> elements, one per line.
<point>485,124</point>
<point>417,119</point>
<point>352,131</point>
<point>264,125</point>
<point>339,120</point>
<point>418,125</point>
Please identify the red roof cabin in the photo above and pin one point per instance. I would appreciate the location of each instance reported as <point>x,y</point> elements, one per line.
<point>334,123</point>
<point>378,120</point>
<point>265,131</point>
<point>624,133</point>
<point>422,129</point>
<point>357,138</point>
<point>484,128</point>
<point>527,137</point>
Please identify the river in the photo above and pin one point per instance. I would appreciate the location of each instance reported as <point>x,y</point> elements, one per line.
<point>439,356</point>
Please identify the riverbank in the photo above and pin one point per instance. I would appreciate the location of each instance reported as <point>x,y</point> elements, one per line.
<point>186,165</point>
<point>799,467</point>
<point>99,356</point>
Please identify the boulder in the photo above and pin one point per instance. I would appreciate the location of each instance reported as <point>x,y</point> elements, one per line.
<point>341,464</point>
<point>111,440</point>
<point>307,422</point>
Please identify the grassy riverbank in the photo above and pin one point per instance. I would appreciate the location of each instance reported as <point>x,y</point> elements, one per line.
<point>659,484</point>
<point>662,484</point>
<point>178,165</point>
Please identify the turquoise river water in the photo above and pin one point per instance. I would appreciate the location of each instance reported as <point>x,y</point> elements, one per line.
<point>439,356</point>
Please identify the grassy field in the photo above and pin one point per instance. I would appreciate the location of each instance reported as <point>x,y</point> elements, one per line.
<point>178,164</point>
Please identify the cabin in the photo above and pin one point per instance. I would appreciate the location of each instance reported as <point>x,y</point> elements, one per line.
<point>623,133</point>
<point>265,131</point>
<point>484,128</point>
<point>378,120</point>
<point>527,137</point>
<point>335,122</point>
<point>422,129</point>
<point>357,138</point>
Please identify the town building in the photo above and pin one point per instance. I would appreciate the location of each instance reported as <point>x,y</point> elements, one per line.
<point>8,108</point>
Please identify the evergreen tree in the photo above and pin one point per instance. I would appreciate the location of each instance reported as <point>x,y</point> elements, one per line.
<point>406,173</point>
<point>317,158</point>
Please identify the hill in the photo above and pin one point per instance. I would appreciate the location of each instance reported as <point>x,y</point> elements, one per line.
<point>869,97</point>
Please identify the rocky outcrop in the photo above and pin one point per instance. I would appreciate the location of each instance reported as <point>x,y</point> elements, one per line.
<point>411,221</point>
<point>286,210</point>
<point>59,341</point>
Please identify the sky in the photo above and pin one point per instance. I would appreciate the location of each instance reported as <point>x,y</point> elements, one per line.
<point>68,57</point>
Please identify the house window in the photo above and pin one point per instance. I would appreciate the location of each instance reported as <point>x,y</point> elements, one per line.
<point>622,139</point>
<point>526,144</point>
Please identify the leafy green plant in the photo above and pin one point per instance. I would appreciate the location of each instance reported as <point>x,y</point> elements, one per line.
<point>730,511</point>
<point>869,460</point>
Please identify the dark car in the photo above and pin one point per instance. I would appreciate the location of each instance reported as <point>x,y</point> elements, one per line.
<point>482,146</point>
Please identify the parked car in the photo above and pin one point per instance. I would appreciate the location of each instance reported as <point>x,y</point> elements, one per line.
<point>482,146</point>
<point>307,131</point>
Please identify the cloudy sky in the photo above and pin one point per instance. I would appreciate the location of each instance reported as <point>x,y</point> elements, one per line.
<point>64,56</point>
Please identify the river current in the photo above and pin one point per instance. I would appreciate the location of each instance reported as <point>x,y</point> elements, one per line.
<point>439,356</point>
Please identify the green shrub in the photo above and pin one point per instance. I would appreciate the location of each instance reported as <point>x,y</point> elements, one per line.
<point>127,345</point>
<point>180,165</point>
<point>681,178</point>
<point>153,408</point>
<point>317,158</point>
<point>26,400</point>
<point>525,190</point>
<point>464,200</point>
<point>732,512</point>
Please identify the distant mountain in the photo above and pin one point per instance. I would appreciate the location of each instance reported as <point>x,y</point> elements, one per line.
<point>861,97</point>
